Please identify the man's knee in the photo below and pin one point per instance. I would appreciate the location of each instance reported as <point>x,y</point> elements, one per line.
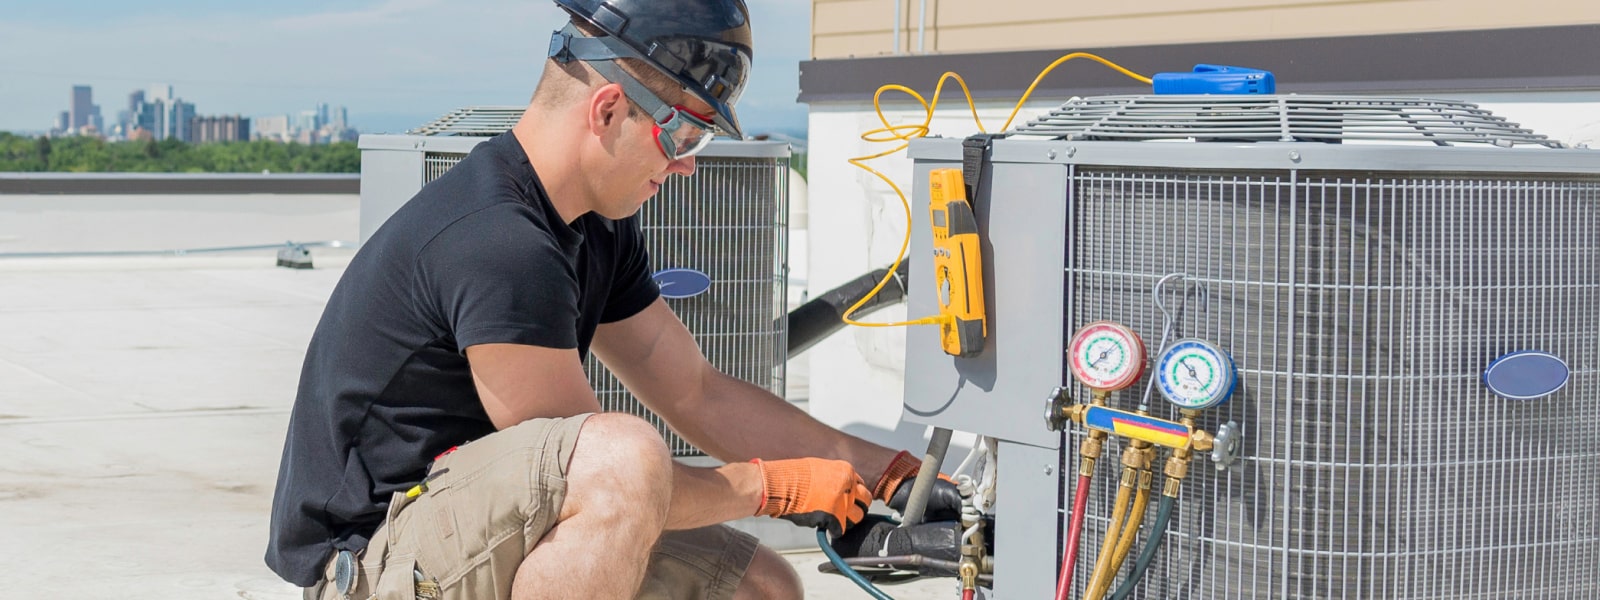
<point>620,457</point>
<point>769,576</point>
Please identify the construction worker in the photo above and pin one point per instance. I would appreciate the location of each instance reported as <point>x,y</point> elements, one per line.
<point>444,441</point>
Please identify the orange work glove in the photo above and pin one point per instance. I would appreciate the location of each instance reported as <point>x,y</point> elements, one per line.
<point>894,489</point>
<point>903,467</point>
<point>813,492</point>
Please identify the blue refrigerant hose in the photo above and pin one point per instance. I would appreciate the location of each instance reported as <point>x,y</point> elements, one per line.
<point>1146,556</point>
<point>833,557</point>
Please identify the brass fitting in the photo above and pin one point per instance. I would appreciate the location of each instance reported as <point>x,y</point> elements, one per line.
<point>1090,451</point>
<point>1130,477</point>
<point>1177,467</point>
<point>1202,441</point>
<point>1075,412</point>
<point>1146,478</point>
<point>1172,486</point>
<point>969,574</point>
<point>1093,445</point>
<point>1134,459</point>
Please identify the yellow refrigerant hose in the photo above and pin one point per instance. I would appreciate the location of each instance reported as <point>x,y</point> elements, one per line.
<point>1130,530</point>
<point>1119,511</point>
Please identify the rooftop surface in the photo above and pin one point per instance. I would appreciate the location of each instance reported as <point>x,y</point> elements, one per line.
<point>143,403</point>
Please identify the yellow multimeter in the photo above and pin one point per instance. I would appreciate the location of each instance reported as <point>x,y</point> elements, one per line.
<point>957,264</point>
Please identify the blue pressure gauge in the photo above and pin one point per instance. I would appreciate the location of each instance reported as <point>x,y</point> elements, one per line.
<point>1195,374</point>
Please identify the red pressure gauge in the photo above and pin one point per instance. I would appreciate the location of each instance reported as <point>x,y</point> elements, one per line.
<point>1106,356</point>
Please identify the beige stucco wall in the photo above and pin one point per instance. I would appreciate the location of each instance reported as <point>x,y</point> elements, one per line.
<point>843,28</point>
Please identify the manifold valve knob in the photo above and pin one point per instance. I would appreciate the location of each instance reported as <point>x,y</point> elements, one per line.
<point>1055,405</point>
<point>1225,450</point>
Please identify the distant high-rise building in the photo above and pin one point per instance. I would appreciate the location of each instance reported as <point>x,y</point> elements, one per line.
<point>305,120</point>
<point>96,120</point>
<point>339,119</point>
<point>149,118</point>
<point>159,117</point>
<point>63,122</point>
<point>82,100</point>
<point>221,129</point>
<point>130,118</point>
<point>180,120</point>
<point>322,115</point>
<point>273,127</point>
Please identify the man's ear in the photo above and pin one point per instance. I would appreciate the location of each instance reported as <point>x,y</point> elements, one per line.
<point>607,107</point>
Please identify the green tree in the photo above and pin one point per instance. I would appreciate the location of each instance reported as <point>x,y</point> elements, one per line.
<point>44,151</point>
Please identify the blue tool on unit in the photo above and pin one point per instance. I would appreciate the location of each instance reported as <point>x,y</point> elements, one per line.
<point>1216,79</point>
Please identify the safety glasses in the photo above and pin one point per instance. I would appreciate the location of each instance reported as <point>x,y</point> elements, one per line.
<point>683,133</point>
<point>680,132</point>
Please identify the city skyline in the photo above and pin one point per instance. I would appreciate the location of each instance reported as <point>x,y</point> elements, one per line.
<point>396,64</point>
<point>159,112</point>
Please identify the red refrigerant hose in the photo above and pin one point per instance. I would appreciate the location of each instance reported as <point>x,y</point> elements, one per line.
<point>1080,504</point>
<point>967,594</point>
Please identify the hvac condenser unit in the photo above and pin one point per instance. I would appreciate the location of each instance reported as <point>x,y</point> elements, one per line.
<point>728,223</point>
<point>1365,261</point>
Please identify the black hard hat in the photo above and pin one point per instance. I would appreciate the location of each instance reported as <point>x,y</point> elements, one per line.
<point>704,44</point>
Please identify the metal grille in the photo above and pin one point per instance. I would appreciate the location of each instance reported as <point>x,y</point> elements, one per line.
<point>729,221</point>
<point>1283,118</point>
<point>1361,310</point>
<point>434,164</point>
<point>482,121</point>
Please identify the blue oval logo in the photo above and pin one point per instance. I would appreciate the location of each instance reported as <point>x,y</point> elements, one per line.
<point>1526,375</point>
<point>682,283</point>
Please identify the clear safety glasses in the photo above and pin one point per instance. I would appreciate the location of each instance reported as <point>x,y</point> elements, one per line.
<point>683,133</point>
<point>680,132</point>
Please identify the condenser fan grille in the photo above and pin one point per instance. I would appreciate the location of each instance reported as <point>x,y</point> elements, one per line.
<point>1280,118</point>
<point>482,121</point>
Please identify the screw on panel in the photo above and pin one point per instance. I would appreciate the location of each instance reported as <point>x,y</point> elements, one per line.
<point>1051,154</point>
<point>1294,156</point>
<point>1049,470</point>
<point>1072,151</point>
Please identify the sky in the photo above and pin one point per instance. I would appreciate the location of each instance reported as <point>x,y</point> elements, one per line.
<point>395,64</point>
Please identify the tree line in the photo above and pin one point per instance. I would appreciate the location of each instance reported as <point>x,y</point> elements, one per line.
<point>93,155</point>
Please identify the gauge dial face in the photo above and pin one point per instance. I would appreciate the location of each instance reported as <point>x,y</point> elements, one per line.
<point>1106,356</point>
<point>1195,374</point>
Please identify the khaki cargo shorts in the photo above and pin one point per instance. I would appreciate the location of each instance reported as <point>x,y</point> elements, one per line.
<point>489,503</point>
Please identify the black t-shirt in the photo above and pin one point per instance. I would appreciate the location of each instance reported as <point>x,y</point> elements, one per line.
<point>478,256</point>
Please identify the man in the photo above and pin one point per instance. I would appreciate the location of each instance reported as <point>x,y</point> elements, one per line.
<point>443,442</point>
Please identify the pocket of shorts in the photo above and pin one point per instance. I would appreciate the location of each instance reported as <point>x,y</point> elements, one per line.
<point>471,515</point>
<point>398,581</point>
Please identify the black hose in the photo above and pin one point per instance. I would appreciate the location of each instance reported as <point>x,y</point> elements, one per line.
<point>815,320</point>
<point>1148,554</point>
<point>838,562</point>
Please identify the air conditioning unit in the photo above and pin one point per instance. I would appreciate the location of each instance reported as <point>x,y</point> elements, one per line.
<point>1366,261</point>
<point>727,222</point>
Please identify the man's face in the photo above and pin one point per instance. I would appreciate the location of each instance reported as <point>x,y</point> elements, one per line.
<point>641,167</point>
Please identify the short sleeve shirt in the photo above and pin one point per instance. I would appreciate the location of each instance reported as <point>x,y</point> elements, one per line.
<point>478,256</point>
